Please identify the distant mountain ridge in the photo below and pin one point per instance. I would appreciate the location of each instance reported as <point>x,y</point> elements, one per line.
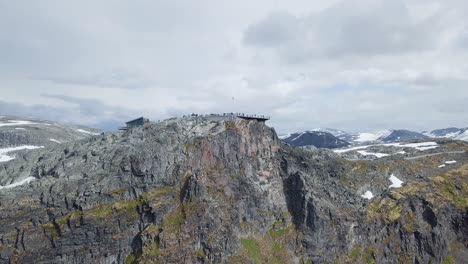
<point>319,139</point>
<point>315,138</point>
<point>451,132</point>
<point>402,135</point>
<point>16,131</point>
<point>21,135</point>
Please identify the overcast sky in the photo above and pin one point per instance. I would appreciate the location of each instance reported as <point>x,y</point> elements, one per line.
<point>350,64</point>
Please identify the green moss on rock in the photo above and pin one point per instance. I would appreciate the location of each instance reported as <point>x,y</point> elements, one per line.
<point>50,227</point>
<point>448,260</point>
<point>230,124</point>
<point>130,259</point>
<point>100,211</point>
<point>386,209</point>
<point>453,186</point>
<point>199,253</point>
<point>354,254</point>
<point>252,249</point>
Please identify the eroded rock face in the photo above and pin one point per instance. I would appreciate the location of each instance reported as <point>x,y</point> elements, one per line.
<point>197,191</point>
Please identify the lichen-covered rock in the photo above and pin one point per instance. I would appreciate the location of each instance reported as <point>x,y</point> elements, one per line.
<point>192,190</point>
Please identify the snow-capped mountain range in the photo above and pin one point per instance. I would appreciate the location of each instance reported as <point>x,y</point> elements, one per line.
<point>335,138</point>
<point>452,133</point>
<point>19,134</point>
<point>319,139</point>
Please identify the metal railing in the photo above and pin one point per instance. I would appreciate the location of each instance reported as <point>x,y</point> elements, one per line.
<point>254,116</point>
<point>230,115</point>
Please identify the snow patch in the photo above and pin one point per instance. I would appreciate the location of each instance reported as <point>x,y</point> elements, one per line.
<point>463,136</point>
<point>56,141</point>
<point>351,149</point>
<point>448,135</point>
<point>401,152</point>
<point>300,135</point>
<point>4,151</point>
<point>396,183</point>
<point>368,195</point>
<point>419,146</point>
<point>284,136</point>
<point>451,162</point>
<point>87,132</point>
<point>363,137</point>
<point>451,135</point>
<point>441,166</point>
<point>378,155</point>
<point>20,128</point>
<point>15,184</point>
<point>16,123</point>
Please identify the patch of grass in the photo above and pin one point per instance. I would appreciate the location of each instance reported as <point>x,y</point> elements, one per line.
<point>278,229</point>
<point>130,259</point>
<point>448,260</point>
<point>100,211</point>
<point>62,220</point>
<point>155,195</point>
<point>368,255</point>
<point>409,222</point>
<point>279,253</point>
<point>404,259</point>
<point>129,207</point>
<point>271,247</point>
<point>276,233</point>
<point>190,209</point>
<point>173,221</point>
<point>200,253</point>
<point>252,249</point>
<point>354,254</point>
<point>152,230</point>
<point>453,186</point>
<point>150,253</point>
<point>359,255</point>
<point>387,209</point>
<point>50,227</point>
<point>230,124</point>
<point>278,247</point>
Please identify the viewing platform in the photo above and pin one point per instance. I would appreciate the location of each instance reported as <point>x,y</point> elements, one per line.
<point>231,116</point>
<point>141,121</point>
<point>260,118</point>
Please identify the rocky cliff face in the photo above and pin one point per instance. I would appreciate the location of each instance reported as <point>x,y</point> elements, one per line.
<point>197,191</point>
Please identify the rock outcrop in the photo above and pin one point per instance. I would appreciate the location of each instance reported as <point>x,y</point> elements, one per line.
<point>197,191</point>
